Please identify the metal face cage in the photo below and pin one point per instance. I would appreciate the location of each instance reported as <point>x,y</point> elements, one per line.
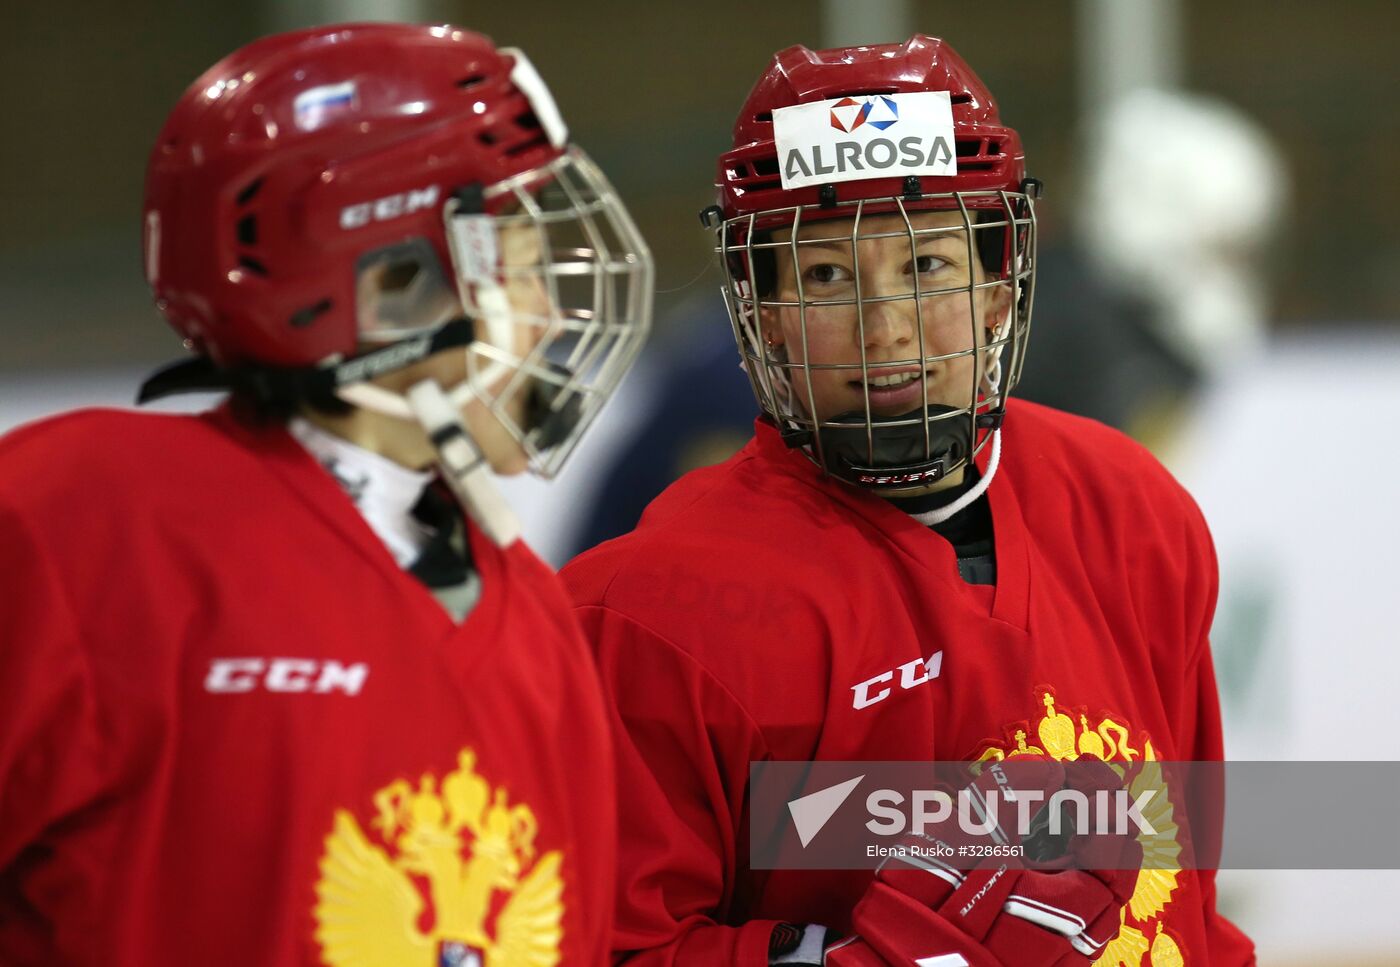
<point>587,282</point>
<point>833,305</point>
<point>557,282</point>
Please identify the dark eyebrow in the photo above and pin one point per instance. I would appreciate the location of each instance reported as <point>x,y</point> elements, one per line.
<point>844,248</point>
<point>834,245</point>
<point>922,235</point>
<point>957,235</point>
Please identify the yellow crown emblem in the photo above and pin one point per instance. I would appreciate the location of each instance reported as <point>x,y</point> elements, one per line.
<point>1112,741</point>
<point>453,854</point>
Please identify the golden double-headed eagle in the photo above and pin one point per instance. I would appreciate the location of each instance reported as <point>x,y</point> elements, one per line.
<point>455,881</point>
<point>1153,945</point>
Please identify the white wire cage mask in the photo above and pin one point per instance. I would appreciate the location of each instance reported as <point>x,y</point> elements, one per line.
<point>558,288</point>
<point>766,257</point>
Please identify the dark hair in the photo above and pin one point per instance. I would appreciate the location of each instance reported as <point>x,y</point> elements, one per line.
<point>264,411</point>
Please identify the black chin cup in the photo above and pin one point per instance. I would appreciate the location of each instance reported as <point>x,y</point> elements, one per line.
<point>901,458</point>
<point>554,425</point>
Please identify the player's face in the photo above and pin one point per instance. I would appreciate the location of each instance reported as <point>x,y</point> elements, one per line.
<point>883,271</point>
<point>519,248</point>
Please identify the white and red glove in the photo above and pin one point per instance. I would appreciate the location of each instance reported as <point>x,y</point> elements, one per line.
<point>928,913</point>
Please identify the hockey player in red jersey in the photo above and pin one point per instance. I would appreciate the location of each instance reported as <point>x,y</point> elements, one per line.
<point>903,564</point>
<point>279,684</point>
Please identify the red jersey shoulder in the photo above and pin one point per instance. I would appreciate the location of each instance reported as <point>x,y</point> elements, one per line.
<point>732,560</point>
<point>1089,492</point>
<point>749,519</point>
<point>97,456</point>
<point>1082,447</point>
<point>1048,450</point>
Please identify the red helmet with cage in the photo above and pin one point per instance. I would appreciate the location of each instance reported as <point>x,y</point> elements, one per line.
<point>405,188</point>
<point>876,151</point>
<point>291,157</point>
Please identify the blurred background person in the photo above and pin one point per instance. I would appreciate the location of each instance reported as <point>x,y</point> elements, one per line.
<point>1158,283</point>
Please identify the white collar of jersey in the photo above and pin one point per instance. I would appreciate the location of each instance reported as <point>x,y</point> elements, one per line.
<point>382,491</point>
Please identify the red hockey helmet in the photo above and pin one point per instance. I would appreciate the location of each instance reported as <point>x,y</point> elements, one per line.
<point>299,163</point>
<point>853,149</point>
<point>989,155</point>
<point>291,157</point>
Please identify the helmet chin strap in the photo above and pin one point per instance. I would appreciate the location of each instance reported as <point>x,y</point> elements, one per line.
<point>464,467</point>
<point>940,514</point>
<point>439,412</point>
<point>388,403</point>
<point>498,319</point>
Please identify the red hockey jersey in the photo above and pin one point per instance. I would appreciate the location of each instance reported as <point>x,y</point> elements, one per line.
<point>234,732</point>
<point>763,612</point>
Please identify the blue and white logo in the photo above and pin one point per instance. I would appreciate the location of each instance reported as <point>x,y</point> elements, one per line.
<point>318,105</point>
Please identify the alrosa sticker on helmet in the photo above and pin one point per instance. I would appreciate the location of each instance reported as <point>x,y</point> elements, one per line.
<point>855,138</point>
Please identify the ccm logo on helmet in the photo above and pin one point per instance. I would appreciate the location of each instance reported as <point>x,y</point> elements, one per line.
<point>912,674</point>
<point>235,675</point>
<point>390,206</point>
